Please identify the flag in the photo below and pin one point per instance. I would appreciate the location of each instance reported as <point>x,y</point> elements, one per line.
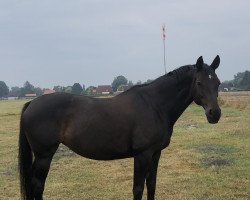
<point>163,32</point>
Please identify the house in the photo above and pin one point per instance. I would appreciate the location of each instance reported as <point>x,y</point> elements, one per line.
<point>104,89</point>
<point>48,91</point>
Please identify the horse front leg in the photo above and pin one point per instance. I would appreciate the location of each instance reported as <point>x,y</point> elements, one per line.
<point>141,167</point>
<point>151,177</point>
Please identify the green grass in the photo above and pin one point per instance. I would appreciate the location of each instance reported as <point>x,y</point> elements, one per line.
<point>203,161</point>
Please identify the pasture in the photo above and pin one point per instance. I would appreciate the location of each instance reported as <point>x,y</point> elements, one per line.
<point>203,161</point>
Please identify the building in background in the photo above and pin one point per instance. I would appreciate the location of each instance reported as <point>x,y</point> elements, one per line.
<point>104,89</point>
<point>48,91</point>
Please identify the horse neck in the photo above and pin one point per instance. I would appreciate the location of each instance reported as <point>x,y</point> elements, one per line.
<point>173,95</point>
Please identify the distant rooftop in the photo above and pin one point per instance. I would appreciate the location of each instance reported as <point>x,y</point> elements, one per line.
<point>48,91</point>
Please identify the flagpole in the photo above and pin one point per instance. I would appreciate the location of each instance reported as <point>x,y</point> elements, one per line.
<point>164,47</point>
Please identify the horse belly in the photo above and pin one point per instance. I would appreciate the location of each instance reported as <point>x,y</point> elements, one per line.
<point>102,145</point>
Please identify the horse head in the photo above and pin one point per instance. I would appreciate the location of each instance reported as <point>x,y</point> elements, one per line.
<point>205,88</point>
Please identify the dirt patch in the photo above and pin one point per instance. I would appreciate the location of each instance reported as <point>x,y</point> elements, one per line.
<point>7,173</point>
<point>215,162</point>
<point>9,114</point>
<point>214,149</point>
<point>216,155</point>
<point>10,172</point>
<point>191,126</point>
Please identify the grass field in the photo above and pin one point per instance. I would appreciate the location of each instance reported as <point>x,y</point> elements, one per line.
<point>203,161</point>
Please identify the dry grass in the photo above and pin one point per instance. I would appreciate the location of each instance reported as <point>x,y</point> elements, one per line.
<point>240,100</point>
<point>203,161</point>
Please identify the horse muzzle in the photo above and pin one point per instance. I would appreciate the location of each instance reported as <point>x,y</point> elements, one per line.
<point>213,115</point>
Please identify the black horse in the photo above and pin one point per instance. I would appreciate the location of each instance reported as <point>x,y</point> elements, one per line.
<point>137,123</point>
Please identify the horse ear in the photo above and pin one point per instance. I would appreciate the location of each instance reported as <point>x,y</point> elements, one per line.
<point>215,64</point>
<point>199,63</point>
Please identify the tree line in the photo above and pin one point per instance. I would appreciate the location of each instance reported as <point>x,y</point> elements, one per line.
<point>240,82</point>
<point>76,88</point>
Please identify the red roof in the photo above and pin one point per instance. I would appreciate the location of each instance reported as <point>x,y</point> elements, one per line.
<point>48,91</point>
<point>104,89</point>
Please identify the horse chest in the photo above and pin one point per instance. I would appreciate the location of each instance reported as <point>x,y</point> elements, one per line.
<point>166,137</point>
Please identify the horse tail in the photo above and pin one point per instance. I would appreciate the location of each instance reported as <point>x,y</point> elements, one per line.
<point>25,158</point>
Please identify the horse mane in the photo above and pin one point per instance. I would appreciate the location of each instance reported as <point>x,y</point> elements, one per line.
<point>178,73</point>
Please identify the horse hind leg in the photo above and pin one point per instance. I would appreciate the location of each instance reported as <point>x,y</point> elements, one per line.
<point>40,169</point>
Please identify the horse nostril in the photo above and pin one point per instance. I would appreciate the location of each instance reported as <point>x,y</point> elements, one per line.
<point>210,112</point>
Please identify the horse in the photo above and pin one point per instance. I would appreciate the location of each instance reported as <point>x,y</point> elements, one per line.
<point>137,123</point>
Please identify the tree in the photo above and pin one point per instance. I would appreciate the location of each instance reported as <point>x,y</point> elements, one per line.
<point>90,91</point>
<point>58,88</point>
<point>15,92</point>
<point>67,89</point>
<point>238,78</point>
<point>4,90</point>
<point>245,82</point>
<point>138,83</point>
<point>38,91</point>
<point>149,81</point>
<point>241,81</point>
<point>76,89</point>
<point>130,84</point>
<point>226,84</point>
<point>119,80</point>
<point>28,88</point>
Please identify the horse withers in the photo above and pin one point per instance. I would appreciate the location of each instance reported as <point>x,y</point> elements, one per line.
<point>137,123</point>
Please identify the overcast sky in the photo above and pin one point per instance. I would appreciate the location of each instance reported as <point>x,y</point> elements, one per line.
<point>60,42</point>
